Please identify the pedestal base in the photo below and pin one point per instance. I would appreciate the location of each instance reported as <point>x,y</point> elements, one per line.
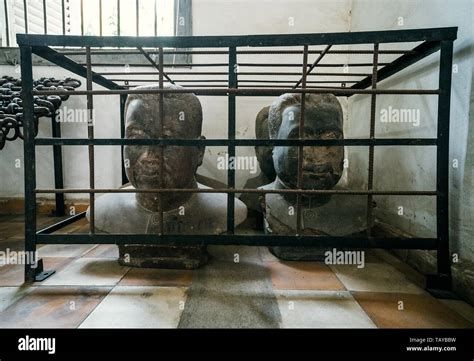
<point>158,256</point>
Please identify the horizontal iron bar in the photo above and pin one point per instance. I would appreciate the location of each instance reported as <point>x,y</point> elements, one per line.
<point>255,65</point>
<point>237,91</point>
<point>65,222</point>
<point>233,190</point>
<point>241,73</point>
<point>123,51</point>
<point>360,37</point>
<point>240,81</point>
<point>239,142</point>
<point>237,239</point>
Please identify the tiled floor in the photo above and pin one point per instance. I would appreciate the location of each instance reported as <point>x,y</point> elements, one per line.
<point>240,287</point>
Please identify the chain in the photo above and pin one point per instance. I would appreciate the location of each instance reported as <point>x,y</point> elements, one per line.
<point>11,105</point>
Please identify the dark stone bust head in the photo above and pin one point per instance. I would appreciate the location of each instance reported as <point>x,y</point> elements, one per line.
<point>322,166</point>
<point>144,166</point>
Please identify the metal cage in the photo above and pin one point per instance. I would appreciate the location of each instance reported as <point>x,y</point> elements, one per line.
<point>429,41</point>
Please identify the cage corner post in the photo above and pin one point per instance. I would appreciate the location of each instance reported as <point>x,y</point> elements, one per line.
<point>440,284</point>
<point>33,266</point>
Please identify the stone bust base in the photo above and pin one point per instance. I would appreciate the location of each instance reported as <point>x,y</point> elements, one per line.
<point>158,256</point>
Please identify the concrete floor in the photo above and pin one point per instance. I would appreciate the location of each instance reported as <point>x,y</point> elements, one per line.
<point>90,290</point>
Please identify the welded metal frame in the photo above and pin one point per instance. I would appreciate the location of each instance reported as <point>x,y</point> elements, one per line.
<point>431,40</point>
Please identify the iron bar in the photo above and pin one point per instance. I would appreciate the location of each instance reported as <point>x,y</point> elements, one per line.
<point>442,161</point>
<point>235,190</point>
<point>7,26</point>
<point>25,16</point>
<point>90,135</point>
<point>306,72</point>
<point>239,239</point>
<point>29,159</point>
<point>231,136</point>
<point>58,166</point>
<point>45,18</point>
<point>301,136</point>
<point>388,36</point>
<point>248,91</point>
<point>158,67</point>
<point>161,117</point>
<point>373,107</point>
<point>241,142</point>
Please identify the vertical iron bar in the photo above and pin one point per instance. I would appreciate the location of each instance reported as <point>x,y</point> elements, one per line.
<point>90,135</point>
<point>45,18</point>
<point>100,18</point>
<point>231,138</point>
<point>301,136</point>
<point>29,157</point>
<point>118,17</point>
<point>137,10</point>
<point>162,119</point>
<point>82,17</point>
<point>123,98</point>
<point>156,20</point>
<point>442,159</point>
<point>25,15</point>
<point>63,9</point>
<point>373,107</point>
<point>7,28</point>
<point>58,166</point>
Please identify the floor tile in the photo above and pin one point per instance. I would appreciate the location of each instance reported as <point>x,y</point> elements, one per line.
<point>138,307</point>
<point>9,295</point>
<point>235,254</point>
<point>418,311</point>
<point>290,275</point>
<point>157,277</point>
<point>462,308</point>
<point>321,309</point>
<point>53,307</point>
<point>88,272</point>
<point>64,250</point>
<point>374,277</point>
<point>225,294</point>
<point>103,251</point>
<point>13,275</point>
<point>13,244</point>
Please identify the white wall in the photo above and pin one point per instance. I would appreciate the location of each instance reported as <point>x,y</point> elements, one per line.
<point>414,168</point>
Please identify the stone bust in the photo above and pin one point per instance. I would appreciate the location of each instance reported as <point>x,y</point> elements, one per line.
<point>322,169</point>
<point>183,213</point>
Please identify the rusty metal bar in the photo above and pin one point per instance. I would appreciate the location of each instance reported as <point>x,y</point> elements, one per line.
<point>100,18</point>
<point>373,107</point>
<point>7,26</point>
<point>161,117</point>
<point>158,67</point>
<point>306,72</point>
<point>82,18</point>
<point>235,190</point>
<point>45,18</point>
<point>244,52</point>
<point>301,136</point>
<point>248,91</point>
<point>90,135</point>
